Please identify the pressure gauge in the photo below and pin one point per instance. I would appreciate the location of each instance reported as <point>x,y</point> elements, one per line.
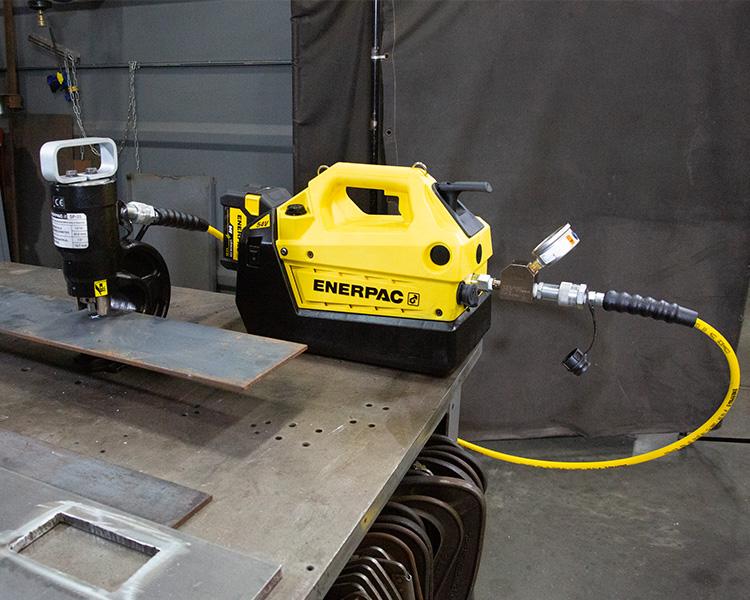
<point>553,248</point>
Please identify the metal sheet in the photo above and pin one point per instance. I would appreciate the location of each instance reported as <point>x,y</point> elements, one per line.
<point>180,566</point>
<point>217,357</point>
<point>133,492</point>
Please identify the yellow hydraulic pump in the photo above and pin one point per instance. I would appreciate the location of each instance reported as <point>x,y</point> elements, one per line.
<point>374,263</point>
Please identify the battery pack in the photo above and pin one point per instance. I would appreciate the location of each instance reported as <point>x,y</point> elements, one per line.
<point>246,209</point>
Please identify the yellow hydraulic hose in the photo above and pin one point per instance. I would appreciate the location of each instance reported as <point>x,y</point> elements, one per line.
<point>713,421</point>
<point>215,232</point>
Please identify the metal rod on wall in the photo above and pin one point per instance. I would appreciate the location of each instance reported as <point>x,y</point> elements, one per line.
<point>13,101</point>
<point>167,65</point>
<point>378,204</point>
<point>376,83</point>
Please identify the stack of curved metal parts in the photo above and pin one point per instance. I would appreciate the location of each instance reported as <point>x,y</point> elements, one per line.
<point>427,541</point>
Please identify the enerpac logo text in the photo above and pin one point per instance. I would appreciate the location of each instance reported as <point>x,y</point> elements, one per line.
<point>358,291</point>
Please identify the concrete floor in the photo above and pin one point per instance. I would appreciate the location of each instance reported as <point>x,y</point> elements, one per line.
<point>675,528</point>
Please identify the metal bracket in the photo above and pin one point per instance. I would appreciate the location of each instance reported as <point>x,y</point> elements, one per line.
<point>517,283</point>
<point>375,56</point>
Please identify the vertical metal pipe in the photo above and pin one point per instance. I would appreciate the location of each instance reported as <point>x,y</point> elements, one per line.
<point>378,204</point>
<point>13,99</point>
<point>376,91</point>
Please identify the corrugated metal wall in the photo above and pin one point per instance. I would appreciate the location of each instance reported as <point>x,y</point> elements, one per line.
<point>214,88</point>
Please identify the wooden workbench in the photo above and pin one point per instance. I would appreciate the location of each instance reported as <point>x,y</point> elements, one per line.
<point>298,466</point>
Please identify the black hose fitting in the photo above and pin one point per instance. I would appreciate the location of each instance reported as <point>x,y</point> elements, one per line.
<point>660,310</point>
<point>167,217</point>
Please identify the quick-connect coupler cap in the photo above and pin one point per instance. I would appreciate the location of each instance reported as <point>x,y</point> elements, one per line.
<point>577,362</point>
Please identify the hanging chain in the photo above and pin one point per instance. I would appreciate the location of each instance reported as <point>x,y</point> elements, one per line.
<point>75,98</point>
<point>131,120</point>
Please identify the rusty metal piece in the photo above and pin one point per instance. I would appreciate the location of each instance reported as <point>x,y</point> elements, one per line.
<point>346,591</point>
<point>401,578</point>
<point>377,574</point>
<point>374,552</point>
<point>411,525</point>
<point>225,359</point>
<point>133,492</point>
<point>468,501</point>
<point>400,553</point>
<point>445,469</point>
<point>436,533</point>
<point>362,580</point>
<point>13,100</point>
<point>438,442</point>
<point>451,542</point>
<point>377,586</point>
<point>422,554</point>
<point>456,461</point>
<point>395,508</point>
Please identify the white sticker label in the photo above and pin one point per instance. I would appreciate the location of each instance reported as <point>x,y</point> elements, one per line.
<point>70,230</point>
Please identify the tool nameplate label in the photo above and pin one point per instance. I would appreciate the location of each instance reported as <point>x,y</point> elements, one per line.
<point>317,286</point>
<point>70,230</point>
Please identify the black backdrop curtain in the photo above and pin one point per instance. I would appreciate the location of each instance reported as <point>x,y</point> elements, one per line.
<point>628,119</point>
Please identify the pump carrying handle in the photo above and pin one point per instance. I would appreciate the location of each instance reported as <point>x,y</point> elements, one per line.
<point>48,159</point>
<point>327,194</point>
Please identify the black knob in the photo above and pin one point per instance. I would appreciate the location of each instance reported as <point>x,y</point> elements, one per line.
<point>295,210</point>
<point>468,294</point>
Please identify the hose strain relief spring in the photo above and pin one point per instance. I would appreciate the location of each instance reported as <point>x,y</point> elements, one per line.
<point>661,310</point>
<point>174,218</point>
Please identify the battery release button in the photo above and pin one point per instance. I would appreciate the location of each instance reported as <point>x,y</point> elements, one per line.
<point>253,251</point>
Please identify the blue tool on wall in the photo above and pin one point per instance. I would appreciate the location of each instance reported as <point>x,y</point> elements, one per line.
<point>58,81</point>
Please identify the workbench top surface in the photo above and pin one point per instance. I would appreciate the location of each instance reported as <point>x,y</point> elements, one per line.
<point>298,466</point>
